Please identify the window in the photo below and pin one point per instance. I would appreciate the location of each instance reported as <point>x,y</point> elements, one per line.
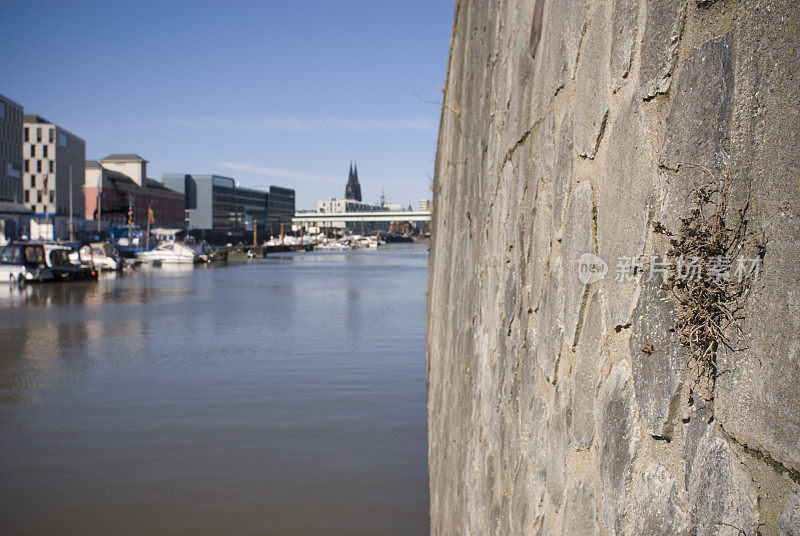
<point>39,135</point>
<point>33,181</point>
<point>51,166</point>
<point>13,170</point>
<point>62,139</point>
<point>52,135</point>
<point>27,134</point>
<point>38,196</point>
<point>2,109</point>
<point>38,166</point>
<point>27,165</point>
<point>45,151</point>
<point>27,196</point>
<point>33,150</point>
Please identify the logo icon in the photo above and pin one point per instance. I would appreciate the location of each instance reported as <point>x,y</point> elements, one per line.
<point>591,268</point>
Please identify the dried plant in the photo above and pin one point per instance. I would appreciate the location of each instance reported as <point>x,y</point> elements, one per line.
<point>709,301</point>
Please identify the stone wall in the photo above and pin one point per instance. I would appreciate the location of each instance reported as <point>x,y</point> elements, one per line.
<point>558,407</point>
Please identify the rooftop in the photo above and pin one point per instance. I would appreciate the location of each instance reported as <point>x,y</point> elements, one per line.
<point>34,119</point>
<point>123,157</point>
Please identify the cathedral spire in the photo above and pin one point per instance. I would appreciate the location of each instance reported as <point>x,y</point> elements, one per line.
<point>353,188</point>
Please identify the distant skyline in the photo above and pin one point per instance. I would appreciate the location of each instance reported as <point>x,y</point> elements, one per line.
<point>282,93</point>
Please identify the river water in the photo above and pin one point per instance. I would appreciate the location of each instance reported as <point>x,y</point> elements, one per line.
<point>277,396</point>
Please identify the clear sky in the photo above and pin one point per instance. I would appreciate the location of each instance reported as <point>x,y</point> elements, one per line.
<point>281,92</point>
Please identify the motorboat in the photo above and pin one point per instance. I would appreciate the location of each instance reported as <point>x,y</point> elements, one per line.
<point>60,261</point>
<point>23,262</point>
<point>170,253</point>
<point>101,256</point>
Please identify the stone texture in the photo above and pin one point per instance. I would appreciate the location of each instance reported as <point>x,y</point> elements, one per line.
<point>720,493</point>
<point>658,509</point>
<point>557,446</point>
<point>662,32</point>
<point>618,442</point>
<point>562,28</point>
<point>624,22</point>
<point>551,331</point>
<point>580,516</point>
<point>790,518</point>
<point>758,396</point>
<point>696,130</point>
<point>623,207</point>
<point>578,239</point>
<point>524,429</point>
<point>591,108</point>
<point>657,359</point>
<point>563,172</point>
<point>586,376</point>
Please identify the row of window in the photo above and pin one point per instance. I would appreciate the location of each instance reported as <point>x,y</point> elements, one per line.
<point>40,197</point>
<point>39,167</point>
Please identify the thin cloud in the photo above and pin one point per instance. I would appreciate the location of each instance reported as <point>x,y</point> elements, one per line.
<point>279,173</point>
<point>299,124</point>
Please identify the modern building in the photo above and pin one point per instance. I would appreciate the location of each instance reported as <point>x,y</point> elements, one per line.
<point>54,164</point>
<point>226,212</point>
<point>353,188</point>
<point>281,210</point>
<point>117,188</point>
<point>10,150</point>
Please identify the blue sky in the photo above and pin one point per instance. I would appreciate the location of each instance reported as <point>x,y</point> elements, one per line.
<point>268,92</point>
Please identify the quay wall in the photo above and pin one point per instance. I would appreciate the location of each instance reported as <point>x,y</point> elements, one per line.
<point>558,407</point>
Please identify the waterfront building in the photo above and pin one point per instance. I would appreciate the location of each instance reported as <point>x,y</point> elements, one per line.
<point>281,210</point>
<point>54,163</point>
<point>225,212</point>
<point>353,188</point>
<point>10,150</point>
<point>424,205</point>
<point>117,189</point>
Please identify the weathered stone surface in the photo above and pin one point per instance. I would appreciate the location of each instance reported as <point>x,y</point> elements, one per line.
<point>591,106</point>
<point>657,358</point>
<point>624,22</point>
<point>562,29</point>
<point>586,376</point>
<point>758,396</point>
<point>580,514</point>
<point>502,395</point>
<point>662,32</point>
<point>623,208</point>
<point>578,239</point>
<point>720,493</point>
<point>551,331</point>
<point>563,172</point>
<point>790,518</point>
<point>618,441</point>
<point>557,445</point>
<point>658,509</point>
<point>697,125</point>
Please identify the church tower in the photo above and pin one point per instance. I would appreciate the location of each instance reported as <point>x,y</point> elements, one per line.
<point>353,188</point>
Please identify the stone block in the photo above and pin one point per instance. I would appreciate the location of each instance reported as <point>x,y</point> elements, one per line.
<point>719,490</point>
<point>578,239</point>
<point>557,445</point>
<point>658,509</point>
<point>591,83</point>
<point>563,172</point>
<point>789,522</point>
<point>562,30</point>
<point>585,377</point>
<point>662,32</point>
<point>657,359</point>
<point>618,441</point>
<point>624,23</point>
<point>580,513</point>
<point>696,131</point>
<point>624,204</point>
<point>550,331</point>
